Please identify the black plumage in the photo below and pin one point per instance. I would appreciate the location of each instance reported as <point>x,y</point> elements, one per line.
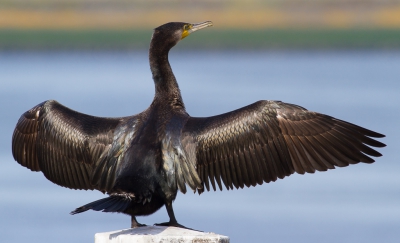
<point>141,161</point>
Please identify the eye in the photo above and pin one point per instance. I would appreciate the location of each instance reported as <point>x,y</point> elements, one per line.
<point>186,27</point>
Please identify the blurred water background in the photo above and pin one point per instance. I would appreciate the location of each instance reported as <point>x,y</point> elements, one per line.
<point>322,65</point>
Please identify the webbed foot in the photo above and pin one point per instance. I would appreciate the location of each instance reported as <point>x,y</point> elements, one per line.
<point>135,223</point>
<point>138,225</point>
<point>175,224</point>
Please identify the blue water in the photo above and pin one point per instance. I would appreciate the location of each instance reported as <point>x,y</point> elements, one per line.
<point>359,203</point>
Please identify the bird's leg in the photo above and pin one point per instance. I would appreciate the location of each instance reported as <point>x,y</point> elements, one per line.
<point>172,219</point>
<point>135,223</point>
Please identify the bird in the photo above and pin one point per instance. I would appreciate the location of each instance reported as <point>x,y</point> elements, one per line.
<point>142,161</point>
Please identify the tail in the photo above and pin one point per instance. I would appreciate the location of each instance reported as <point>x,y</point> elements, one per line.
<point>116,203</point>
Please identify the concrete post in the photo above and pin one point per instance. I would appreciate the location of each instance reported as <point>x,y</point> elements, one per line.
<point>159,234</point>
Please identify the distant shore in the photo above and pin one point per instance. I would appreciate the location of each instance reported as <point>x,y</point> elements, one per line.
<point>253,24</point>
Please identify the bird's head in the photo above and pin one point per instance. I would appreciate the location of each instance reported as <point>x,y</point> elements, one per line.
<point>171,33</point>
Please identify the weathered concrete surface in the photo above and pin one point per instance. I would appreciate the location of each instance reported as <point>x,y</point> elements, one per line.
<point>159,234</point>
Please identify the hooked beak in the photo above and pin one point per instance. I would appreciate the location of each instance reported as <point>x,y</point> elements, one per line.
<point>196,27</point>
<point>199,26</point>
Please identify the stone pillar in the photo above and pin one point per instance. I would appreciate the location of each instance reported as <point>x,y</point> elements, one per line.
<point>159,234</point>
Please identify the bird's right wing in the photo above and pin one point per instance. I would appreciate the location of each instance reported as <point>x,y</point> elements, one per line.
<point>67,146</point>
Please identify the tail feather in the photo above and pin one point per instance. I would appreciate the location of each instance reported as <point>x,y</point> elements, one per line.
<point>114,203</point>
<point>116,206</point>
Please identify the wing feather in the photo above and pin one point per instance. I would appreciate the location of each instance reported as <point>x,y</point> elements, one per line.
<point>269,140</point>
<point>232,172</point>
<point>224,168</point>
<point>241,177</point>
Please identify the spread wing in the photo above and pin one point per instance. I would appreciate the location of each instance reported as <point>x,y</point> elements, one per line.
<point>67,146</point>
<point>271,139</point>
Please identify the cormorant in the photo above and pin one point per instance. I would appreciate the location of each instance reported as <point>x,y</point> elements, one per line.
<point>142,160</point>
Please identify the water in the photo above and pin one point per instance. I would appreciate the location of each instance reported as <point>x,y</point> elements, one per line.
<point>359,203</point>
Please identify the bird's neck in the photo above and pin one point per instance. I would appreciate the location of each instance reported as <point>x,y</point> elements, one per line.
<point>166,87</point>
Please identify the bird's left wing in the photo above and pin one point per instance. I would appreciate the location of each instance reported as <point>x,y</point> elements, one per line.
<point>269,140</point>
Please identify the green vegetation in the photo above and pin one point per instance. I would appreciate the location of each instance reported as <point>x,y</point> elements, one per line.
<point>211,39</point>
<point>73,39</point>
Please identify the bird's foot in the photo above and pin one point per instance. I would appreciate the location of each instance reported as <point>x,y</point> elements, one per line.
<point>137,225</point>
<point>175,224</point>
